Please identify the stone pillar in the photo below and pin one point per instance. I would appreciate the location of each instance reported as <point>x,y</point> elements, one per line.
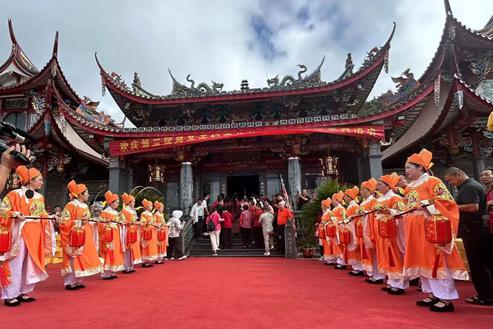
<point>375,159</point>
<point>119,181</point>
<point>186,187</point>
<point>478,166</point>
<point>294,179</point>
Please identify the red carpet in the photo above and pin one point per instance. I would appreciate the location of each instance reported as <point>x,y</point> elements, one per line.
<point>234,293</point>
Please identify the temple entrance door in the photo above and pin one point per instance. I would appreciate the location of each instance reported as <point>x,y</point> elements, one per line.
<point>243,185</point>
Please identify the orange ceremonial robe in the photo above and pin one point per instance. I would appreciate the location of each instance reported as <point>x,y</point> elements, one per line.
<point>422,255</point>
<point>149,248</point>
<point>129,217</point>
<point>86,261</point>
<point>112,252</point>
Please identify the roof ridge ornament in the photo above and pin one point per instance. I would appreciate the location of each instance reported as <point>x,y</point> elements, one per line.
<point>289,80</point>
<point>448,9</point>
<point>202,88</point>
<point>55,46</point>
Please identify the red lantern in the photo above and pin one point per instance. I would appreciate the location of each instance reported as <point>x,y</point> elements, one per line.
<point>359,228</point>
<point>387,228</point>
<point>331,230</point>
<point>77,237</point>
<point>161,235</point>
<point>5,240</point>
<point>438,230</point>
<point>107,234</point>
<point>147,233</point>
<point>131,236</point>
<point>344,235</point>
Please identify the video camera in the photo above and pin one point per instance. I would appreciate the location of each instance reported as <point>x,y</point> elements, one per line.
<point>16,135</point>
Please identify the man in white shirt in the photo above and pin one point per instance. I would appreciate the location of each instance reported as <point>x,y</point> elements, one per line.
<point>198,214</point>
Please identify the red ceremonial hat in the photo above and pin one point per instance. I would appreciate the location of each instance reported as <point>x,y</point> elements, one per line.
<point>391,180</point>
<point>146,203</point>
<point>110,197</point>
<point>352,192</point>
<point>423,159</point>
<point>370,185</point>
<point>127,198</point>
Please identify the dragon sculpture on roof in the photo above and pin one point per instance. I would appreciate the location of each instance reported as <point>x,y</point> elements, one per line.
<point>289,80</point>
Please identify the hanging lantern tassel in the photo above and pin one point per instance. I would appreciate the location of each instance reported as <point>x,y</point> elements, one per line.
<point>4,281</point>
<point>436,90</point>
<point>435,265</point>
<point>459,96</point>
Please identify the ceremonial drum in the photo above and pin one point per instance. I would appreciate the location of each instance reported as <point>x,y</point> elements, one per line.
<point>77,237</point>
<point>438,230</point>
<point>5,240</point>
<point>359,228</point>
<point>321,232</point>
<point>331,230</point>
<point>387,227</point>
<point>131,235</point>
<point>147,233</point>
<point>161,235</point>
<point>107,234</point>
<point>344,235</point>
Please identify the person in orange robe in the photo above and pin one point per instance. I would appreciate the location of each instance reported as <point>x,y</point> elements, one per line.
<point>78,262</point>
<point>353,252</point>
<point>24,264</point>
<point>163,229</point>
<point>149,247</point>
<point>328,256</point>
<point>338,215</point>
<point>366,225</point>
<point>436,265</point>
<point>128,216</point>
<point>390,250</point>
<point>110,237</point>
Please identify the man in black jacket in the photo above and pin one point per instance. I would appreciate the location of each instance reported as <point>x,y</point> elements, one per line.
<point>471,200</point>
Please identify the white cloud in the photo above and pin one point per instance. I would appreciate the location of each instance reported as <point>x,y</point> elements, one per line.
<point>213,40</point>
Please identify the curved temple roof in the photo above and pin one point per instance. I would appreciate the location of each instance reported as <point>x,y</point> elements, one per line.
<point>305,85</point>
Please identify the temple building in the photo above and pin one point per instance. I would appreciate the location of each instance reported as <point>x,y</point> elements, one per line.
<point>30,99</point>
<point>200,139</point>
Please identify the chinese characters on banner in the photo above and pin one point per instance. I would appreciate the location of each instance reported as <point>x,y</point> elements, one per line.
<point>142,145</point>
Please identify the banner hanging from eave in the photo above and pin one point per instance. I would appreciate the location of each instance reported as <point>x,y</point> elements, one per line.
<point>143,145</point>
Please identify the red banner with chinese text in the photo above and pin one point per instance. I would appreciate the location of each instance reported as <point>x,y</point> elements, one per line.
<point>142,145</point>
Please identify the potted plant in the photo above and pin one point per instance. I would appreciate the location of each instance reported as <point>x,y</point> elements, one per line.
<point>310,213</point>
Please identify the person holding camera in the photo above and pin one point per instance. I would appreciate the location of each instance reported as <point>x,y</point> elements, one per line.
<point>23,214</point>
<point>9,162</point>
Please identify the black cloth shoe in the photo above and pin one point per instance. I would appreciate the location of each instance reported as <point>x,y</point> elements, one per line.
<point>23,298</point>
<point>476,300</point>
<point>340,267</point>
<point>113,277</point>
<point>145,265</point>
<point>356,273</point>
<point>126,271</point>
<point>80,285</point>
<point>107,278</point>
<point>449,307</point>
<point>72,287</point>
<point>11,302</point>
<point>396,291</point>
<point>387,288</point>
<point>370,281</point>
<point>428,301</point>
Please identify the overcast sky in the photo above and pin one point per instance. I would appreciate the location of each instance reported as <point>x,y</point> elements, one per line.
<point>226,41</point>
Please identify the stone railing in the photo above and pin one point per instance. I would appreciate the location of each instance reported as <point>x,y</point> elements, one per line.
<point>186,235</point>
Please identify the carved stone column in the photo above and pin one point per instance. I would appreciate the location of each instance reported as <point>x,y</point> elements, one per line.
<point>119,181</point>
<point>294,179</point>
<point>478,166</point>
<point>186,187</point>
<point>375,159</point>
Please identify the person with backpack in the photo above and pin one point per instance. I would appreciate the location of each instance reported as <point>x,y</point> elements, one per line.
<point>213,225</point>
